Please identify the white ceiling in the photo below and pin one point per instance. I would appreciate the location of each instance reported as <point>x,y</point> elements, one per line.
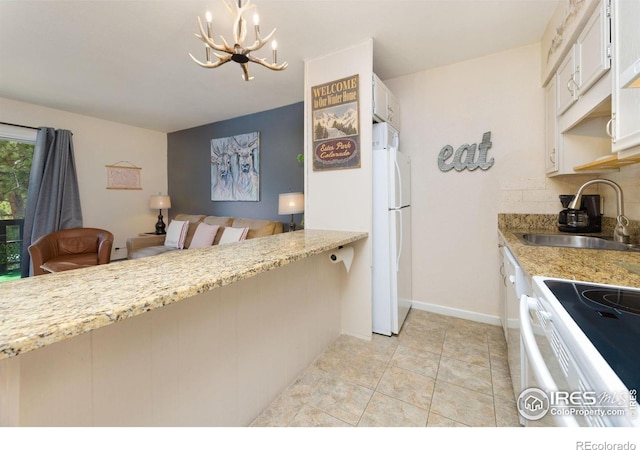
<point>128,61</point>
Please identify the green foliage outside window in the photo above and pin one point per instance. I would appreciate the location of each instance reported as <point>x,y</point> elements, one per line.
<point>15,166</point>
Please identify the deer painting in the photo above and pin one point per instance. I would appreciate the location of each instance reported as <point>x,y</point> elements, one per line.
<point>221,175</point>
<point>235,173</point>
<point>248,181</point>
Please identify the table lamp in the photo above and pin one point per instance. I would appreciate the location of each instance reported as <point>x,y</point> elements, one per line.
<point>291,203</point>
<point>160,202</point>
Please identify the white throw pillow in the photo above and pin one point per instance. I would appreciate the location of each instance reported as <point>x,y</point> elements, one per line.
<point>176,233</point>
<point>231,234</point>
<point>204,236</point>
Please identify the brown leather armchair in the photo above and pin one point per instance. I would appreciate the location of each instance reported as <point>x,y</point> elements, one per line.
<point>70,249</point>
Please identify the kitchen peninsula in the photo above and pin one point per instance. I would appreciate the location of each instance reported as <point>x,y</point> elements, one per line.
<point>197,337</point>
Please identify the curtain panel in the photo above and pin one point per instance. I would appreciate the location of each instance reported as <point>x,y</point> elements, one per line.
<point>53,198</point>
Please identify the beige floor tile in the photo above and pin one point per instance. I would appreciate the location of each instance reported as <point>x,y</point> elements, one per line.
<point>280,413</point>
<point>421,339</point>
<point>385,411</point>
<point>475,351</point>
<point>408,386</point>
<point>506,412</point>
<point>308,416</point>
<point>463,405</point>
<point>306,384</point>
<point>362,370</point>
<point>461,373</point>
<point>436,420</point>
<point>440,371</point>
<point>341,399</point>
<point>424,363</point>
<point>502,385</point>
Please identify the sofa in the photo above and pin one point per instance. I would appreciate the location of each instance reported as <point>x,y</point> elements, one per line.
<point>155,244</point>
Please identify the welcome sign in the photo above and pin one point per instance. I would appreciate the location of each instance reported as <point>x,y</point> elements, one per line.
<point>336,128</point>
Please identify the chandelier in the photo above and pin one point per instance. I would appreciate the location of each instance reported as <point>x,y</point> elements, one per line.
<point>237,52</point>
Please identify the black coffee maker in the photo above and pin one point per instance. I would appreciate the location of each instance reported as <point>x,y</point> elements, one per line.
<point>587,219</point>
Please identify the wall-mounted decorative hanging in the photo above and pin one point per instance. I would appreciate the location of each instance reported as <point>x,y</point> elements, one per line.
<point>465,156</point>
<point>123,176</point>
<point>336,128</point>
<point>235,168</point>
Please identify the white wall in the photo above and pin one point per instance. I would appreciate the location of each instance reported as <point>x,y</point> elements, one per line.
<point>342,199</point>
<point>455,213</point>
<point>98,143</point>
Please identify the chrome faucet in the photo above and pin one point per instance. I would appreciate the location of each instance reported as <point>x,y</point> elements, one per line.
<point>620,232</point>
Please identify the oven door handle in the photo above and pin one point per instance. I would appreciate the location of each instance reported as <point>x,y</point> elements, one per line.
<point>533,355</point>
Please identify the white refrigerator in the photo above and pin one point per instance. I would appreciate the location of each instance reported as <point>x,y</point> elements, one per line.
<point>391,231</point>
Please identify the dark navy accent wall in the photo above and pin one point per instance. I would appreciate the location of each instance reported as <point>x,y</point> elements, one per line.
<point>281,140</point>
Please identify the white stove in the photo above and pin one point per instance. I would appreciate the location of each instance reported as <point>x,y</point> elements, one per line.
<point>580,358</point>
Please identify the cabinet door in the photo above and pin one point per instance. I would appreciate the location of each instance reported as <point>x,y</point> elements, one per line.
<point>626,53</point>
<point>380,104</point>
<point>393,110</point>
<point>551,138</point>
<point>566,86</point>
<point>592,49</point>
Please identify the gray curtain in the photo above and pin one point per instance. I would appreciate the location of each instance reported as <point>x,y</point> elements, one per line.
<point>53,198</point>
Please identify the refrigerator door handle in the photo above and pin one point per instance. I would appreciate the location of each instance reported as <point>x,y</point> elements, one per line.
<point>398,181</point>
<point>399,249</point>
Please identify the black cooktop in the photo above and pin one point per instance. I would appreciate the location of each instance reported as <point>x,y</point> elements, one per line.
<point>610,318</point>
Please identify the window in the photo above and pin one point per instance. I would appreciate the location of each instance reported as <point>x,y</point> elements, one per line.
<point>16,154</point>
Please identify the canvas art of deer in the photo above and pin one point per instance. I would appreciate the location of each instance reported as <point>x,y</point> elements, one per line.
<point>222,188</point>
<point>247,183</point>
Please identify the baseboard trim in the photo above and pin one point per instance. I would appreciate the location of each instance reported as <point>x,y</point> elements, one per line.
<point>459,313</point>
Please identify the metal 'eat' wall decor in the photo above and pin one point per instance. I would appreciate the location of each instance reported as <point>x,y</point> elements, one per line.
<point>467,151</point>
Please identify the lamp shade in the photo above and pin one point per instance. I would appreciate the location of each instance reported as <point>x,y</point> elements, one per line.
<point>291,203</point>
<point>160,202</point>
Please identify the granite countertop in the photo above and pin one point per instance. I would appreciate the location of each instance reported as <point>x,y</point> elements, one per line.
<point>598,266</point>
<point>42,310</point>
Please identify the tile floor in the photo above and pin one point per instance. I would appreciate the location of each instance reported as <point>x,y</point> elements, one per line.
<point>438,372</point>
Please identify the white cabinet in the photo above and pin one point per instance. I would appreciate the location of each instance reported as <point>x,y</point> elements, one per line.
<point>577,99</point>
<point>385,105</point>
<point>593,49</point>
<point>550,128</point>
<point>586,63</point>
<point>625,125</point>
<point>567,87</point>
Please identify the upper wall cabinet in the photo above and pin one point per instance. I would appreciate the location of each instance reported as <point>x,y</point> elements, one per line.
<point>593,48</point>
<point>625,118</point>
<point>578,112</point>
<point>385,105</point>
<point>578,91</point>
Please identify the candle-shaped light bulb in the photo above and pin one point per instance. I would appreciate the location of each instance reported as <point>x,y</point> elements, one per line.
<point>274,48</point>
<point>256,25</point>
<point>207,50</point>
<point>208,16</point>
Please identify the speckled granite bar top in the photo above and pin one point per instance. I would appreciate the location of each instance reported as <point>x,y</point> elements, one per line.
<point>598,266</point>
<point>42,310</point>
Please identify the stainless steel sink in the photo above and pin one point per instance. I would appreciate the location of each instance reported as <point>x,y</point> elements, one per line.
<point>575,241</point>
